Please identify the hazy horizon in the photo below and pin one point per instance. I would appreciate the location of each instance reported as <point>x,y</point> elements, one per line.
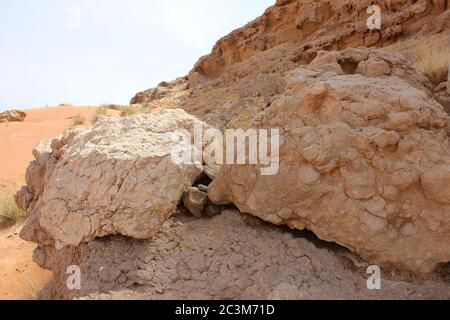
<point>86,52</point>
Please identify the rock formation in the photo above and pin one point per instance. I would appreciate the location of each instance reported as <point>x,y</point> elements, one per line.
<point>12,116</point>
<point>365,163</point>
<point>319,25</point>
<point>115,178</point>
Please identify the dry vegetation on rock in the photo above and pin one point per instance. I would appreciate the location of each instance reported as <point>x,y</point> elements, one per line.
<point>431,55</point>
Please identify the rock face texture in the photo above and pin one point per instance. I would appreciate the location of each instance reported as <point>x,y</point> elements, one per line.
<point>365,161</point>
<point>160,92</point>
<point>242,77</point>
<point>116,178</point>
<point>12,116</point>
<point>319,25</point>
<point>231,256</point>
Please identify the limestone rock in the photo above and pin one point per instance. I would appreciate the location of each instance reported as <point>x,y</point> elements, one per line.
<point>195,200</point>
<point>12,116</point>
<point>115,178</point>
<point>364,161</point>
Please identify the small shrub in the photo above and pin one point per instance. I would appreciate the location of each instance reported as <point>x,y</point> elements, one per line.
<point>78,120</point>
<point>99,112</point>
<point>431,55</point>
<point>115,107</point>
<point>10,213</point>
<point>133,109</point>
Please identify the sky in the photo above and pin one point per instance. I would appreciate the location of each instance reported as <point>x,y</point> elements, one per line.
<point>92,52</point>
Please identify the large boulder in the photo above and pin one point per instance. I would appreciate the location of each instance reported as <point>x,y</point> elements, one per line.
<point>364,161</point>
<point>12,116</point>
<point>117,178</point>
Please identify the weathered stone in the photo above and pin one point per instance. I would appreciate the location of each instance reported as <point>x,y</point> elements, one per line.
<point>195,200</point>
<point>115,178</point>
<point>303,22</point>
<point>363,155</point>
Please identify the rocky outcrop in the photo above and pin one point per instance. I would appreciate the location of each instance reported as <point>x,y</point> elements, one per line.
<point>365,161</point>
<point>161,91</point>
<point>318,25</point>
<point>248,78</point>
<point>12,116</point>
<point>117,178</point>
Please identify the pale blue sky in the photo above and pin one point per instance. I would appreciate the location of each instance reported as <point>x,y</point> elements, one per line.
<point>121,46</point>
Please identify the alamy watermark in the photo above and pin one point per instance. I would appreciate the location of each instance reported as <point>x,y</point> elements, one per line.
<point>374,281</point>
<point>235,146</point>
<point>374,21</point>
<point>74,278</point>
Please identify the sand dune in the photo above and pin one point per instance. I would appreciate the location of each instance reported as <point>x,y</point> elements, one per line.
<point>17,139</point>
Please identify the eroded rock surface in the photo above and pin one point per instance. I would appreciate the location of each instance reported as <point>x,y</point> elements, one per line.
<point>231,256</point>
<point>365,161</point>
<point>116,178</point>
<point>246,71</point>
<point>320,25</point>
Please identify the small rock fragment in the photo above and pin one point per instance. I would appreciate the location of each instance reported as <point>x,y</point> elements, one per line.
<point>195,200</point>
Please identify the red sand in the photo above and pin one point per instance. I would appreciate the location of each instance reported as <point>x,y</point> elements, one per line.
<point>17,139</point>
<point>20,277</point>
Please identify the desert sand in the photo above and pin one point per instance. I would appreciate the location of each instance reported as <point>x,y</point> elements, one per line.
<point>20,277</point>
<point>17,139</point>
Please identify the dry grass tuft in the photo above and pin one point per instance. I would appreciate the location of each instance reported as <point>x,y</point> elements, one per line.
<point>429,55</point>
<point>132,110</point>
<point>10,213</point>
<point>116,107</point>
<point>124,111</point>
<point>99,113</point>
<point>78,120</point>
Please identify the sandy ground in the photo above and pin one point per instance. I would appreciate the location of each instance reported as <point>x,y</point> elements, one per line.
<point>20,277</point>
<point>17,139</point>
